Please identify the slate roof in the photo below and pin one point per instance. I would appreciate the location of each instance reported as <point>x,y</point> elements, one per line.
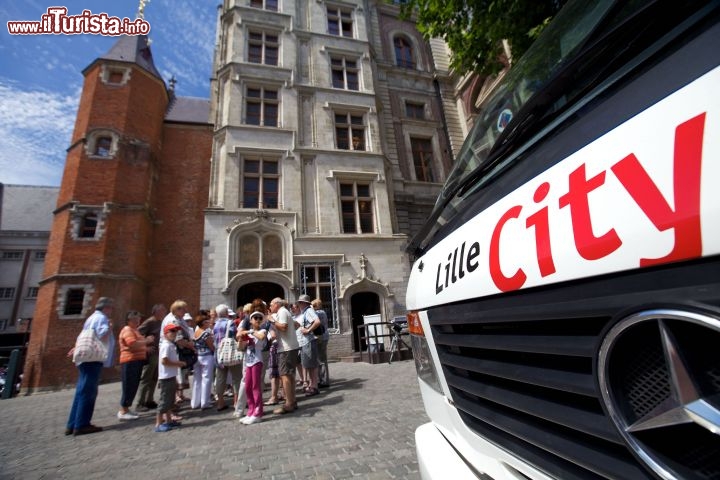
<point>27,207</point>
<point>133,49</point>
<point>188,110</point>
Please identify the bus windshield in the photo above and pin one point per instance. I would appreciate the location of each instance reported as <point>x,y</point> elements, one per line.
<point>515,103</point>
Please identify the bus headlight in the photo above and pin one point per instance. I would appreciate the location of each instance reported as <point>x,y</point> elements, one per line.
<point>421,352</point>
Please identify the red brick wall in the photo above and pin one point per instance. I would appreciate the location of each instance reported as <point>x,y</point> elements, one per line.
<point>117,265</point>
<point>180,198</point>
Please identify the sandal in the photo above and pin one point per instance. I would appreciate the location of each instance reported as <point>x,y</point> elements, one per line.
<point>282,410</point>
<point>270,402</point>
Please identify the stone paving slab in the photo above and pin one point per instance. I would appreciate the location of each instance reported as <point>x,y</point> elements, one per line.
<point>361,427</point>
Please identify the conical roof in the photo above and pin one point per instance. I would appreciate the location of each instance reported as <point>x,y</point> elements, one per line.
<point>133,49</point>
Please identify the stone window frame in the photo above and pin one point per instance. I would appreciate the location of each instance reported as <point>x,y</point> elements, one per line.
<point>349,114</point>
<point>263,102</point>
<point>428,132</point>
<point>108,72</point>
<point>356,177</point>
<point>269,5</point>
<point>91,144</point>
<point>416,106</point>
<point>259,230</point>
<point>62,295</point>
<point>261,176</point>
<point>260,238</point>
<point>425,166</point>
<point>345,68</point>
<point>334,13</point>
<point>264,43</point>
<point>79,213</point>
<point>418,63</point>
<point>369,123</point>
<point>401,61</point>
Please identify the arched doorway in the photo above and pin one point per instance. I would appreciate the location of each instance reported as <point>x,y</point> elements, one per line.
<point>265,290</point>
<point>363,303</point>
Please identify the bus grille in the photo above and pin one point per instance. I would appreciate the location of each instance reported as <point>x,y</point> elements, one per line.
<point>521,367</point>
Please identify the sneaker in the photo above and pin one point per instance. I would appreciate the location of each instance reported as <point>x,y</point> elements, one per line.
<point>237,414</point>
<point>127,415</point>
<point>163,427</point>
<point>175,424</point>
<point>142,408</point>
<point>151,405</point>
<point>248,420</point>
<point>252,420</point>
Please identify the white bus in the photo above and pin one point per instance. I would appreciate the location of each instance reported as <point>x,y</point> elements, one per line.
<point>564,303</point>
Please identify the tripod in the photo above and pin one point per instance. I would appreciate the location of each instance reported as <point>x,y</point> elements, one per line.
<point>396,341</point>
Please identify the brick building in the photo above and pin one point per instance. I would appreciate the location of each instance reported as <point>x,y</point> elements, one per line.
<point>127,219</point>
<point>330,130</point>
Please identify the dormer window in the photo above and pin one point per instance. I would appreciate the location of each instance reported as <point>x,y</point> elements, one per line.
<point>115,75</point>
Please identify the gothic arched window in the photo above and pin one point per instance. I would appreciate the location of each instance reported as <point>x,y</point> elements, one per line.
<point>403,52</point>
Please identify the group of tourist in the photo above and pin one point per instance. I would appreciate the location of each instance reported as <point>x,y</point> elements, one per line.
<point>286,342</point>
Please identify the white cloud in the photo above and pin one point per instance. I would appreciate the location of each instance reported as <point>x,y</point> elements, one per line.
<point>186,34</point>
<point>35,129</point>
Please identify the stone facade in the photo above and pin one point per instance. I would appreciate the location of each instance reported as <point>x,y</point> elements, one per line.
<point>333,98</point>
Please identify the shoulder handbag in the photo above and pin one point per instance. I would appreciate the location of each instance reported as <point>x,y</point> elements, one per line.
<point>89,348</point>
<point>186,355</point>
<point>229,352</point>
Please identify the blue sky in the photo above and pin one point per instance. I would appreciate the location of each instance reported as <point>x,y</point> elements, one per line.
<point>41,79</point>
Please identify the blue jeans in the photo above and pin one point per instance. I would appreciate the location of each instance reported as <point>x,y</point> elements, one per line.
<point>86,391</point>
<point>130,373</point>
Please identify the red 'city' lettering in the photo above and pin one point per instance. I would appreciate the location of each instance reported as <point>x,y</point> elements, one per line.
<point>541,222</point>
<point>587,244</point>
<point>685,219</point>
<point>501,281</point>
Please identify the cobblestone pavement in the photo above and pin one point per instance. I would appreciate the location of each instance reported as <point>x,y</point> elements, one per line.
<point>361,427</point>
